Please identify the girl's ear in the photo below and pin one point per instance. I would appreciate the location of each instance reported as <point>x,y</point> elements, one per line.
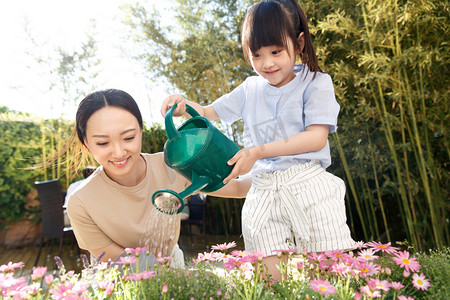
<point>300,43</point>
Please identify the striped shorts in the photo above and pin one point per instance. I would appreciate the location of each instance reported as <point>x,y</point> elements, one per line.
<point>302,207</point>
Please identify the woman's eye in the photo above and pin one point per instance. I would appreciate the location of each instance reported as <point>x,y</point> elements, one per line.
<point>129,138</point>
<point>102,143</point>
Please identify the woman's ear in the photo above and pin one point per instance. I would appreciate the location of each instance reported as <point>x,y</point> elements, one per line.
<point>300,43</point>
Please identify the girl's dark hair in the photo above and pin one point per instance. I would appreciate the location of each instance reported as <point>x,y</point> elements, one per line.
<point>97,100</point>
<point>273,22</point>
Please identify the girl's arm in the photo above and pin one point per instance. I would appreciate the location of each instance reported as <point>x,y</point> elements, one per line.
<point>205,111</point>
<point>312,139</point>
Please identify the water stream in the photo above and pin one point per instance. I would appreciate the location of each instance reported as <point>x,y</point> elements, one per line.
<point>161,232</point>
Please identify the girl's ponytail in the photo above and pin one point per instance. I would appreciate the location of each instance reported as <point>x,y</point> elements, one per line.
<point>298,17</point>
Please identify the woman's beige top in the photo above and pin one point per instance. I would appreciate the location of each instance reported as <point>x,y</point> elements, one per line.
<point>101,211</point>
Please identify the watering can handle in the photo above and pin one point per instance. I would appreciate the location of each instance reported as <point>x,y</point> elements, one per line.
<point>170,127</point>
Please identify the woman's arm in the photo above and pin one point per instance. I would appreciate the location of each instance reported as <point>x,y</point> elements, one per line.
<point>112,251</point>
<point>236,188</point>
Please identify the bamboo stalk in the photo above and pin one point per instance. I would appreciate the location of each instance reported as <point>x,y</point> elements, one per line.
<point>351,184</point>
<point>381,107</point>
<point>422,167</point>
<point>378,191</point>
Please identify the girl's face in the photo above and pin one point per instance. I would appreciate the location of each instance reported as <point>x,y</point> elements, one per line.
<point>275,63</point>
<point>114,138</point>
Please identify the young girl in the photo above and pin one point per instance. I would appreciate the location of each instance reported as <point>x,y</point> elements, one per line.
<point>288,112</point>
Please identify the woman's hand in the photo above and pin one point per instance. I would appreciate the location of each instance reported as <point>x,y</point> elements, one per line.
<point>243,162</point>
<point>170,101</point>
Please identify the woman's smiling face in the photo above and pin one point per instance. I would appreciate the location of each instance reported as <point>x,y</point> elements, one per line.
<point>114,138</point>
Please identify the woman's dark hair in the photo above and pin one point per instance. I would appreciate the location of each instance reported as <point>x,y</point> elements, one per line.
<point>273,22</point>
<point>77,154</point>
<point>97,100</point>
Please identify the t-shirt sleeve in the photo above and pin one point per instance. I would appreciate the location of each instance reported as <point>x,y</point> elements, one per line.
<point>320,105</point>
<point>229,107</point>
<point>89,236</point>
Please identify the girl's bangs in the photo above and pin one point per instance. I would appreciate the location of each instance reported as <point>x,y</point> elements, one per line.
<point>267,26</point>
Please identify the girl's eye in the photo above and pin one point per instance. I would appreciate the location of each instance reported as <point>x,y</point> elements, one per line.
<point>276,52</point>
<point>255,55</point>
<point>102,143</point>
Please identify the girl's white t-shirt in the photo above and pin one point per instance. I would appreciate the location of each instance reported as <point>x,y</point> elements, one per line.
<point>271,114</point>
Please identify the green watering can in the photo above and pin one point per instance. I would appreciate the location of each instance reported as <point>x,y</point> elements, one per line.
<point>199,152</point>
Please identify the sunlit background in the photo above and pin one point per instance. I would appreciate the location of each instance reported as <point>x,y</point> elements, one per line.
<point>25,84</point>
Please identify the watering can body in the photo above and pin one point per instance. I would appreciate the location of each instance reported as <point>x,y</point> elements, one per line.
<point>199,152</point>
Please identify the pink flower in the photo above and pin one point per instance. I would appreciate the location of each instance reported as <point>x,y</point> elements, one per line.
<point>11,266</point>
<point>406,273</point>
<point>367,268</point>
<point>232,263</point>
<point>401,297</point>
<point>336,254</point>
<point>61,291</point>
<point>377,284</point>
<point>101,266</point>
<point>129,250</point>
<point>367,291</point>
<point>206,256</point>
<point>360,244</point>
<point>402,259</point>
<point>253,257</point>
<point>239,253</point>
<point>341,268</point>
<point>70,273</point>
<point>38,273</point>
<point>387,248</point>
<point>396,285</point>
<point>420,282</point>
<point>220,256</point>
<point>106,286</point>
<point>322,286</point>
<point>7,281</point>
<point>165,289</point>
<point>127,260</point>
<point>358,296</point>
<point>224,247</point>
<point>49,279</point>
<point>317,258</point>
<point>367,254</point>
<point>387,271</point>
<point>163,260</point>
<point>141,276</point>
<point>287,251</point>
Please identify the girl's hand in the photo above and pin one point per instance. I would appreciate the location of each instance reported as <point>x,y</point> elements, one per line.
<point>170,101</point>
<point>243,162</point>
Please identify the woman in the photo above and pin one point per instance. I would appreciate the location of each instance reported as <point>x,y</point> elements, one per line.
<point>110,211</point>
